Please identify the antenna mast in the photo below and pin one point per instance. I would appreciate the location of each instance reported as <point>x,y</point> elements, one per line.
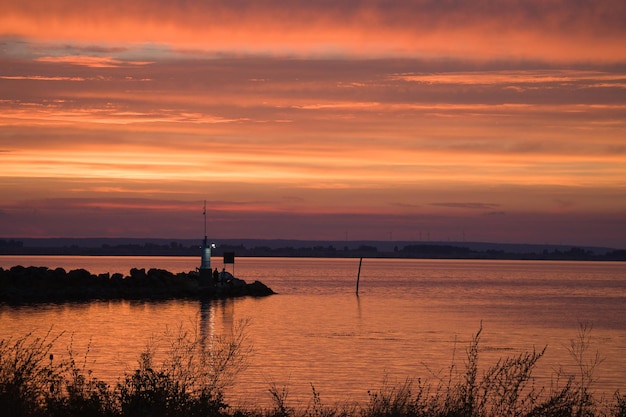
<point>204,213</point>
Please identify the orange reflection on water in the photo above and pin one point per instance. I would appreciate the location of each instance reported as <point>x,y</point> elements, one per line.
<point>412,319</point>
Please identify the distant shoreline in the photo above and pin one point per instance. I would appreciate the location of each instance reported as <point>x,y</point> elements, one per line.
<point>311,249</point>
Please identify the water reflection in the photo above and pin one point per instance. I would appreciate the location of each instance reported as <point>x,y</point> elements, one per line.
<point>217,317</point>
<point>227,308</point>
<point>207,323</point>
<point>405,321</point>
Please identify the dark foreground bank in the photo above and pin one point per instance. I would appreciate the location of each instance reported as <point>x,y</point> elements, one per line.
<point>21,284</point>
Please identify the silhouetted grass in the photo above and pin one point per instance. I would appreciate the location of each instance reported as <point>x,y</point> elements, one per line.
<point>191,378</point>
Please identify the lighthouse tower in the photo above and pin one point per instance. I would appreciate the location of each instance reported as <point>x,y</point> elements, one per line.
<point>205,263</point>
<point>206,273</point>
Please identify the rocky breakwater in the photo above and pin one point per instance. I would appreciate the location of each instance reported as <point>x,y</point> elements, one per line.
<point>21,284</point>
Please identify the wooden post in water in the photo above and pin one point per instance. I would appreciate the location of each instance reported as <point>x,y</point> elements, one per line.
<point>358,277</point>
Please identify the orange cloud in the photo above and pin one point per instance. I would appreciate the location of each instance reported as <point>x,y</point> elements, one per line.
<point>558,30</point>
<point>40,78</point>
<point>517,77</point>
<point>91,61</point>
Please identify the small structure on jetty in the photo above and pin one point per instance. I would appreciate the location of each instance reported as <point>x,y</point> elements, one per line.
<point>205,271</point>
<point>213,284</point>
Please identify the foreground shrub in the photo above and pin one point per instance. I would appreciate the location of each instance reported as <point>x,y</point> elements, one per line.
<point>27,374</point>
<point>186,379</point>
<point>505,389</point>
<point>75,392</point>
<point>189,381</point>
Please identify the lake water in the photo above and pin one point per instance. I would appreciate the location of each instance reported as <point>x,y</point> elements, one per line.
<point>412,318</point>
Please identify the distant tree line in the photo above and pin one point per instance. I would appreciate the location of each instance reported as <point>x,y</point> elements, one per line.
<point>8,244</point>
<point>415,251</point>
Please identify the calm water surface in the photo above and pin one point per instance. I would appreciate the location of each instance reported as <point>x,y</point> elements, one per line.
<point>412,318</point>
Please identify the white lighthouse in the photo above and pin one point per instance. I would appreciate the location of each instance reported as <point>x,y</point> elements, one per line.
<point>205,262</point>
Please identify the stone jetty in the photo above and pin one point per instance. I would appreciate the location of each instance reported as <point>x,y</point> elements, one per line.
<point>32,284</point>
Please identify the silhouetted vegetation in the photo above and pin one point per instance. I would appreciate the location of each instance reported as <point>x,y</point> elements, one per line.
<point>422,250</point>
<point>190,379</point>
<point>11,244</point>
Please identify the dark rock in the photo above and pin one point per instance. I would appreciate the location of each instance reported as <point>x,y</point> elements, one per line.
<point>39,284</point>
<point>138,273</point>
<point>258,289</point>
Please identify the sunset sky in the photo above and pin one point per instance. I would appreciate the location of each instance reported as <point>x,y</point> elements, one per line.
<point>431,120</point>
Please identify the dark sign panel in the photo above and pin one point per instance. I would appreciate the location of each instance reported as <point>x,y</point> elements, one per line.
<point>229,257</point>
